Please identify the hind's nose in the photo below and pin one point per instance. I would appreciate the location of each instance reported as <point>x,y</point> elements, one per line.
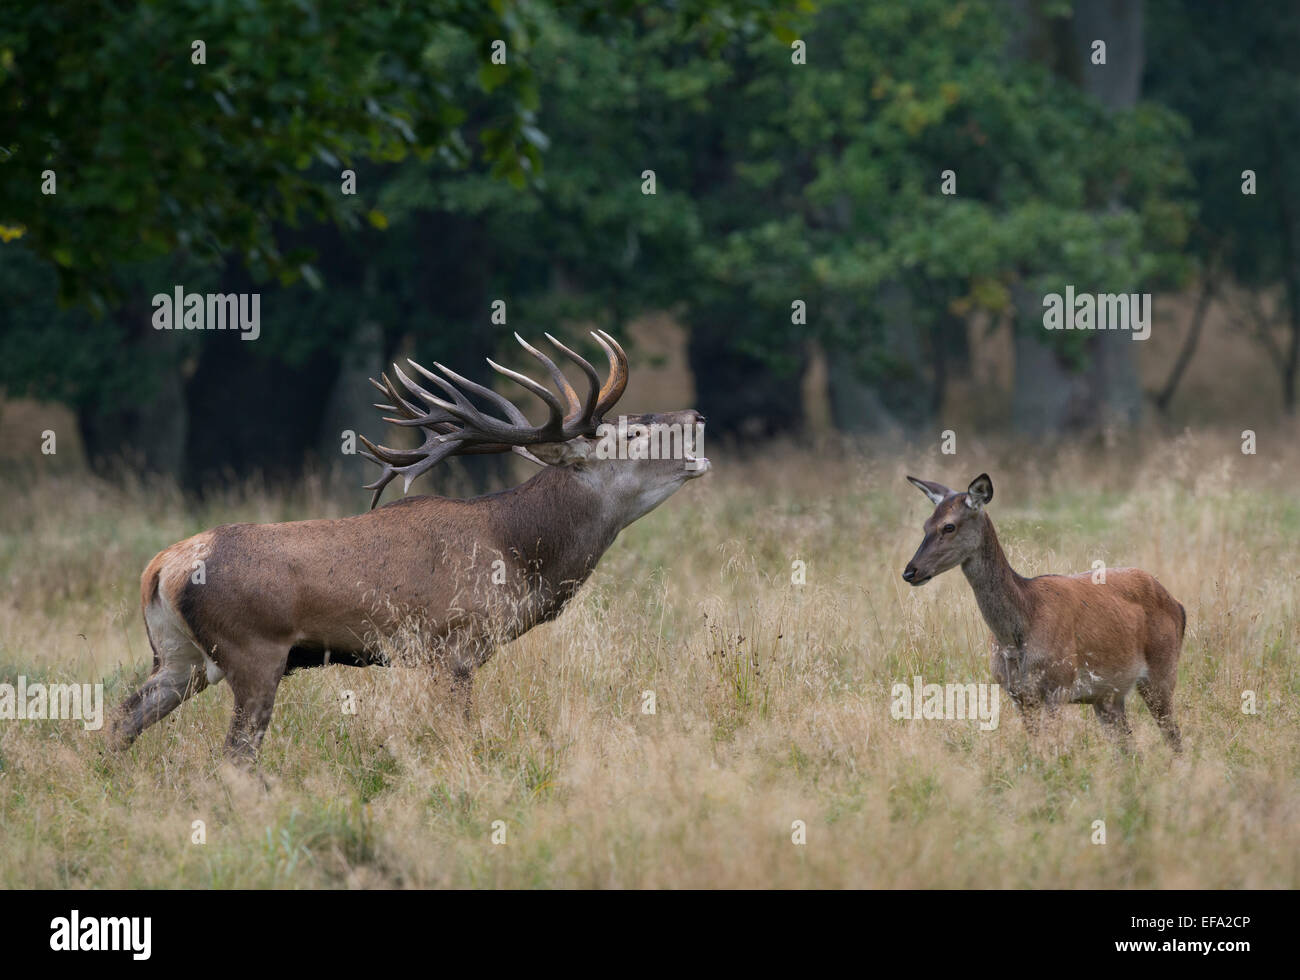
<point>909,573</point>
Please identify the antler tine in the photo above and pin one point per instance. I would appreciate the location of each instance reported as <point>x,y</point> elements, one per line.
<point>404,457</point>
<point>378,487</point>
<point>615,384</point>
<point>570,396</point>
<point>386,389</point>
<point>555,424</point>
<point>408,463</point>
<point>505,404</point>
<point>386,475</point>
<point>435,456</point>
<point>459,426</point>
<point>459,407</point>
<point>477,426</point>
<point>405,408</point>
<point>593,379</point>
<point>472,422</point>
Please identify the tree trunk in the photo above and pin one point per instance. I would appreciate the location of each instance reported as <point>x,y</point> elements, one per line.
<point>894,392</point>
<point>1291,262</point>
<point>150,433</point>
<point>1049,398</point>
<point>742,396</point>
<point>1113,375</point>
<point>350,407</point>
<point>1189,345</point>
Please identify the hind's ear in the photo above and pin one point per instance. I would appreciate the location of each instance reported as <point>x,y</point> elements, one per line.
<point>980,491</point>
<point>935,491</point>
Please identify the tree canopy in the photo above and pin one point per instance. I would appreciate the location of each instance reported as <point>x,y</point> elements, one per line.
<point>864,176</point>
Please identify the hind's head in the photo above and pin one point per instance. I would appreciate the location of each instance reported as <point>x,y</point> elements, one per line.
<point>954,532</point>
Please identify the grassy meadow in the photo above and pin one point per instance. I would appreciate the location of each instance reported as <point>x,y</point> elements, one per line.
<point>772,699</point>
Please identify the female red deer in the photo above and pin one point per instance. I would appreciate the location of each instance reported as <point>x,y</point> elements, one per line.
<point>1057,638</point>
<point>476,573</point>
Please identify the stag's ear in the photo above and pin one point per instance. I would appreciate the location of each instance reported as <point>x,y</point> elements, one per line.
<point>980,491</point>
<point>935,491</point>
<point>562,453</point>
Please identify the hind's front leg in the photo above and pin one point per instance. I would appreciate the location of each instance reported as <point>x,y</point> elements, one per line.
<point>1110,712</point>
<point>1009,672</point>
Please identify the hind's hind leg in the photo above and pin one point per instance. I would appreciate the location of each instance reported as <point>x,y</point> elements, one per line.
<point>1159,698</point>
<point>1164,644</point>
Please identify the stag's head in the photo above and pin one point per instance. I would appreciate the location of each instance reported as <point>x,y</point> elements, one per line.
<point>954,532</point>
<point>634,462</point>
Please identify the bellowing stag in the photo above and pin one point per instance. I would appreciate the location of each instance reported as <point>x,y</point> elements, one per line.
<point>475,573</point>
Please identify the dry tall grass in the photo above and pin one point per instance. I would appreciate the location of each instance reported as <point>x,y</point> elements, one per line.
<point>772,699</point>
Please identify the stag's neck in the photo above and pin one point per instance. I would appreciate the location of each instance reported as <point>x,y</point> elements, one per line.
<point>999,591</point>
<point>557,521</point>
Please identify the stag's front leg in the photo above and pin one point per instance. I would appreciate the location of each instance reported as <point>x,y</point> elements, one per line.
<point>463,659</point>
<point>254,674</point>
<point>462,690</point>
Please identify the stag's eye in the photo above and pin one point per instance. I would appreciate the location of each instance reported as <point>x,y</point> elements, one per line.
<point>949,528</point>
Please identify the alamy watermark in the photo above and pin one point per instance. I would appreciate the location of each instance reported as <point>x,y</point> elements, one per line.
<point>75,933</point>
<point>1098,311</point>
<point>53,702</point>
<point>946,702</point>
<point>180,310</point>
<point>654,440</point>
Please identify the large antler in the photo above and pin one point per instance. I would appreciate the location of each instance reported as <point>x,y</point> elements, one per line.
<point>456,426</point>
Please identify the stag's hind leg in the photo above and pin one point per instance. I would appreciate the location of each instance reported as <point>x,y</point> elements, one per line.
<point>180,670</point>
<point>160,694</point>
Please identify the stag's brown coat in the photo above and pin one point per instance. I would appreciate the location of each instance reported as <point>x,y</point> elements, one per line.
<point>249,603</point>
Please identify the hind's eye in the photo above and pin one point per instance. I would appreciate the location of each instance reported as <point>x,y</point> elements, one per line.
<point>949,528</point>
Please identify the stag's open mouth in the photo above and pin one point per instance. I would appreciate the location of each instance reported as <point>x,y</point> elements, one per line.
<point>697,464</point>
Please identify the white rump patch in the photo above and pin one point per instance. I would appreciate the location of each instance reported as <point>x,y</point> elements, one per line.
<point>178,652</point>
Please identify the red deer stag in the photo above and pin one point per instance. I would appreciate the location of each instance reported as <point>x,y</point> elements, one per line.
<point>277,597</point>
<point>1057,638</point>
